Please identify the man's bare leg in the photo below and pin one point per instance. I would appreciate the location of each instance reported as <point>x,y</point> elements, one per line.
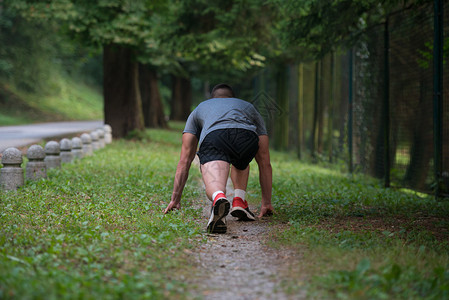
<point>239,178</point>
<point>215,175</point>
<point>240,207</point>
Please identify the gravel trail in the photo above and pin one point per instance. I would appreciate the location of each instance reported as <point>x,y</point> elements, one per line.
<point>239,264</point>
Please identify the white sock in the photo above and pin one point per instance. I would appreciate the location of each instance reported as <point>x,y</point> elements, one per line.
<point>240,193</point>
<point>216,193</point>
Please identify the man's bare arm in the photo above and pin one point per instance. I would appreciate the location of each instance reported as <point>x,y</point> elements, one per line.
<point>265,175</point>
<point>188,151</point>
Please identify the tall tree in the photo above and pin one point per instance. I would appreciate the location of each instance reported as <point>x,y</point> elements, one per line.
<point>215,41</point>
<point>153,110</point>
<point>123,104</point>
<point>123,30</point>
<point>181,98</point>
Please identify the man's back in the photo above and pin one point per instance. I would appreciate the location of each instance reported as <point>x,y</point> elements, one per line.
<point>222,113</point>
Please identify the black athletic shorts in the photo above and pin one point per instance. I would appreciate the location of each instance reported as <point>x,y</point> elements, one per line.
<point>234,145</point>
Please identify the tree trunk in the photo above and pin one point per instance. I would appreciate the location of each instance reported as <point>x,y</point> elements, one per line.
<point>300,110</point>
<point>181,98</point>
<point>153,109</point>
<point>343,105</point>
<point>313,135</point>
<point>377,162</point>
<point>122,102</point>
<point>293,107</point>
<point>281,126</point>
<point>330,114</point>
<point>421,151</point>
<point>322,104</point>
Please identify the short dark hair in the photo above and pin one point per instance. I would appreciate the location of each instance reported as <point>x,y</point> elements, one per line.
<point>222,86</point>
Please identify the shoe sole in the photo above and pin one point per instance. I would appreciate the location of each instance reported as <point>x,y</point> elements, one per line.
<point>242,214</point>
<point>220,210</point>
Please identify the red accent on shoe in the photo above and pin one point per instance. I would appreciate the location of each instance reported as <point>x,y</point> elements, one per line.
<point>220,195</point>
<point>239,202</point>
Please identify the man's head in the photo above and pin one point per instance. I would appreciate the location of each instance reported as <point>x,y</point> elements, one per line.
<point>222,90</point>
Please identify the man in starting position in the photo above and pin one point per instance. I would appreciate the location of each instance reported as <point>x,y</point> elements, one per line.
<point>229,131</point>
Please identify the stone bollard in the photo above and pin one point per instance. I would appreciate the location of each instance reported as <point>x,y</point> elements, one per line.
<point>36,167</point>
<point>52,158</point>
<point>87,144</point>
<point>77,148</point>
<point>95,143</point>
<point>101,141</point>
<point>66,151</point>
<point>11,175</point>
<point>107,134</point>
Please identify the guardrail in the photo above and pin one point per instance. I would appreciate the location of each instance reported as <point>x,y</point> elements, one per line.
<point>53,155</point>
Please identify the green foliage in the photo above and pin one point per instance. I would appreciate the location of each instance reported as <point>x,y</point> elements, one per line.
<point>26,60</point>
<point>298,191</point>
<point>43,75</point>
<point>357,239</point>
<point>313,28</point>
<point>125,23</point>
<point>95,228</point>
<point>426,56</point>
<point>386,282</point>
<point>65,99</point>
<point>37,53</point>
<point>223,35</point>
<point>215,41</point>
<point>100,22</point>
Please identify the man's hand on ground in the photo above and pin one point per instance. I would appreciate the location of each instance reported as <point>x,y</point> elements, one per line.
<point>266,211</point>
<point>172,206</point>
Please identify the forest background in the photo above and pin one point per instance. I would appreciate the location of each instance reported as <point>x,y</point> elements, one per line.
<point>138,64</point>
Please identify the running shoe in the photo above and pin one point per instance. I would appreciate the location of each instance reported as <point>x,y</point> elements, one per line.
<point>241,210</point>
<point>217,220</point>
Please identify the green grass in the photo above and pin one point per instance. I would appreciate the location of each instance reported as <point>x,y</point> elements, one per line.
<point>95,229</point>
<point>64,99</point>
<point>8,120</point>
<point>358,240</point>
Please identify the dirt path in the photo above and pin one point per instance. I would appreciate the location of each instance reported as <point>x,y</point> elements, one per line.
<point>238,264</point>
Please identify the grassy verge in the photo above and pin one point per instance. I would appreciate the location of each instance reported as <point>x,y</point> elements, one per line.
<point>358,240</point>
<point>95,228</point>
<point>66,100</point>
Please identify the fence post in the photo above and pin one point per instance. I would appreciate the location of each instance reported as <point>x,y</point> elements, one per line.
<point>330,125</point>
<point>11,175</point>
<point>87,144</point>
<point>77,145</point>
<point>387,103</point>
<point>36,167</point>
<point>66,151</point>
<point>107,134</point>
<point>313,135</point>
<point>350,110</point>
<point>437,93</point>
<point>101,141</point>
<point>95,143</point>
<point>301,110</point>
<point>52,158</point>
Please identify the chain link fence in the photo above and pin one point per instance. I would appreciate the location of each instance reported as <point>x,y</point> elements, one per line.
<point>370,108</point>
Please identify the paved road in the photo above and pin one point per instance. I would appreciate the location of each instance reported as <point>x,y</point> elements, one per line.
<point>19,136</point>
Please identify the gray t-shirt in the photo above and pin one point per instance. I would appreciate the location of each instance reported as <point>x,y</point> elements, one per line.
<point>221,113</point>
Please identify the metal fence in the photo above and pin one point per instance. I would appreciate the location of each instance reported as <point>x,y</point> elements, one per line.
<point>381,107</point>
